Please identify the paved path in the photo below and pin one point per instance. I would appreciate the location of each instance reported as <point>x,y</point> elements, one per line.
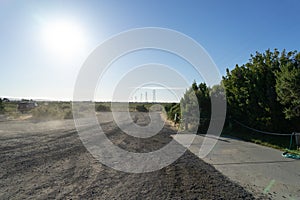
<point>259,169</point>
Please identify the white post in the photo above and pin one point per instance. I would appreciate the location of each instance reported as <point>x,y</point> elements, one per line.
<point>297,137</point>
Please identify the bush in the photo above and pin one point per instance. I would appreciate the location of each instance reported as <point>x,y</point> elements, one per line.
<point>141,108</point>
<point>52,111</point>
<point>102,108</point>
<point>68,115</point>
<point>175,109</point>
<point>1,107</point>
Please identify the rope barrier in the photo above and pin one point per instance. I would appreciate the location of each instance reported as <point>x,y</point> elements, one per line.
<point>264,132</point>
<point>285,154</point>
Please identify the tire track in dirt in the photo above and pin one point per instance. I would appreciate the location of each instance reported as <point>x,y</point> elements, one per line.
<point>55,164</point>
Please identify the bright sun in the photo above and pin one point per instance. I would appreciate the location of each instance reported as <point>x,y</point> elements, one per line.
<point>64,38</point>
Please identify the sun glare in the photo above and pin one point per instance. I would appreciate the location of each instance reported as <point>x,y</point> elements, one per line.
<point>64,38</point>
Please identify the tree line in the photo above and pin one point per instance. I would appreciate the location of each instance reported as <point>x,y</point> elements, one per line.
<point>263,93</point>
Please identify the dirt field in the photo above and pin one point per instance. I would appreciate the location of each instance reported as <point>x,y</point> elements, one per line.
<point>41,160</point>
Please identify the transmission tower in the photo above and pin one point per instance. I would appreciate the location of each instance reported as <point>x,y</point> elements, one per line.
<point>146,97</point>
<point>154,95</point>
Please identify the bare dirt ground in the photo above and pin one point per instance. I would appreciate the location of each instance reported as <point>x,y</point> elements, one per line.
<point>42,160</point>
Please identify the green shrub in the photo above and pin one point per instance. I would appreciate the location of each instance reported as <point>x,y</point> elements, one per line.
<point>141,108</point>
<point>2,110</point>
<point>174,110</point>
<point>52,111</point>
<point>68,115</point>
<point>102,108</point>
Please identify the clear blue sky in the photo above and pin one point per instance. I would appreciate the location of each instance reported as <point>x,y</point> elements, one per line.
<point>229,30</point>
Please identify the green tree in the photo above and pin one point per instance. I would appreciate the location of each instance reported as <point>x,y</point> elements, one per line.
<point>288,85</point>
<point>1,106</point>
<point>190,110</point>
<point>251,93</point>
<point>195,106</point>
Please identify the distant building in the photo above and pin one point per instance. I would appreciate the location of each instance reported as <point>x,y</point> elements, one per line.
<point>24,106</point>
